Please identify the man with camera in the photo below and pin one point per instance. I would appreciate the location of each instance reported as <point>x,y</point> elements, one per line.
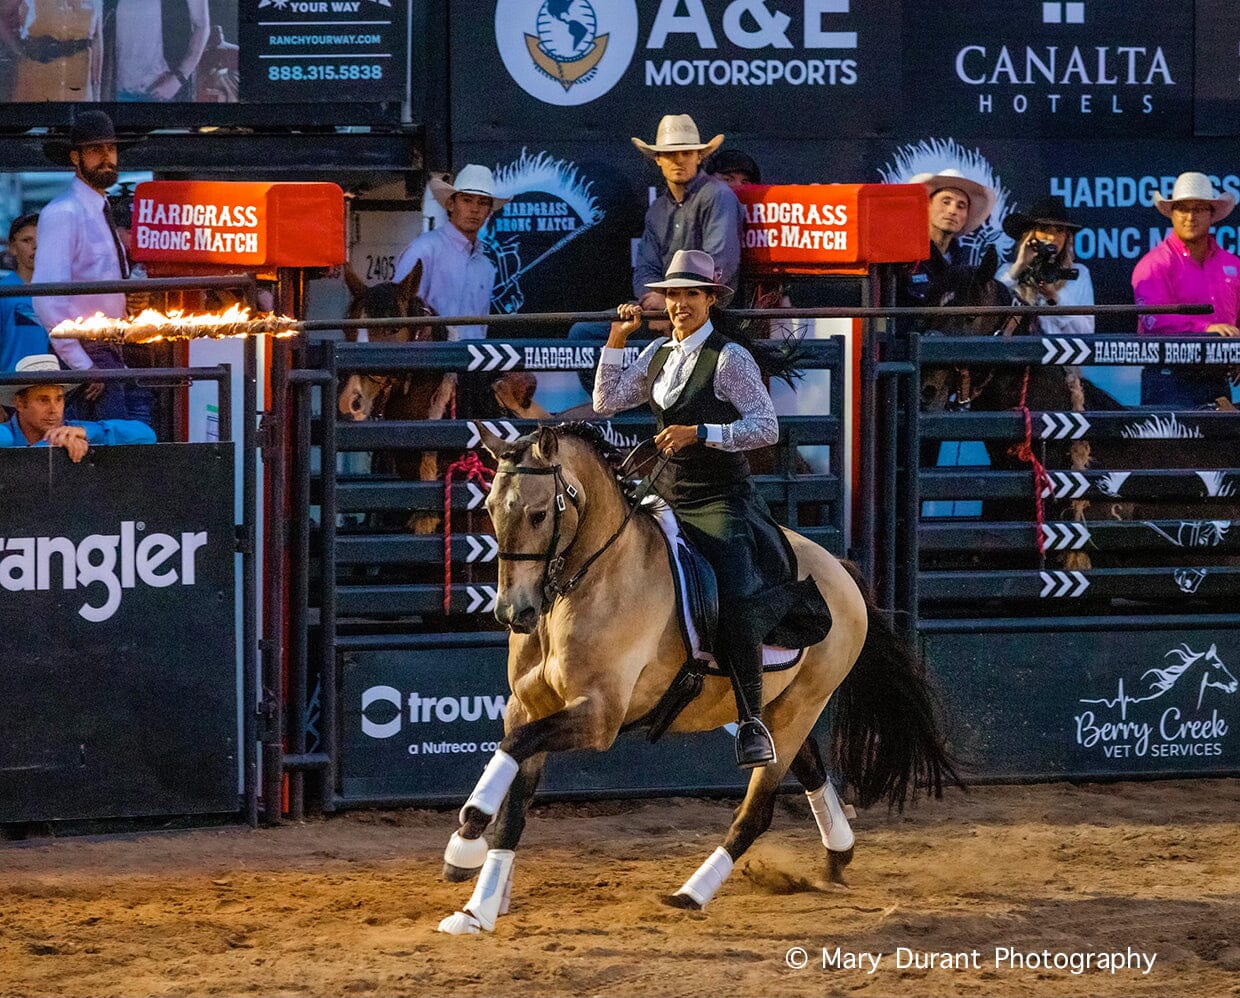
<point>1045,271</point>
<point>1189,266</point>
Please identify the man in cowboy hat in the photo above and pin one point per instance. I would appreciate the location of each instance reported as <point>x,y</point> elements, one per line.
<point>457,276</point>
<point>78,242</point>
<point>695,212</point>
<point>39,416</point>
<point>1045,261</point>
<point>1189,266</point>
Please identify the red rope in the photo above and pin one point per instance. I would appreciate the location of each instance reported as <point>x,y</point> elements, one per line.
<point>1023,451</point>
<point>474,471</point>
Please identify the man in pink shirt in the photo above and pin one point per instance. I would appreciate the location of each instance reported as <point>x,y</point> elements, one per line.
<point>1189,266</point>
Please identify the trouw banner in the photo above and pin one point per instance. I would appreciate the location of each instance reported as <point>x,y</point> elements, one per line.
<point>118,695</point>
<point>422,725</point>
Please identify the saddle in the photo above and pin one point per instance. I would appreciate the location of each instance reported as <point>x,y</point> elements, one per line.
<point>697,606</point>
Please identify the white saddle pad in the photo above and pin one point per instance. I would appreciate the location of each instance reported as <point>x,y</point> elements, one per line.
<point>771,655</point>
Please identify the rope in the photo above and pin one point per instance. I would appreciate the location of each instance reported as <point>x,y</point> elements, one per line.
<point>474,471</point>
<point>1023,451</point>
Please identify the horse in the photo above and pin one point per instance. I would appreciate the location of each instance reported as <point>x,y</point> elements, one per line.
<point>588,595</point>
<point>411,395</point>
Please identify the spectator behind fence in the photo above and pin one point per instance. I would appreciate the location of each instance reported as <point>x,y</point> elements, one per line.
<point>958,205</point>
<point>733,167</point>
<point>1189,266</point>
<point>21,333</point>
<point>695,212</point>
<point>1045,271</point>
<point>39,417</point>
<point>78,242</point>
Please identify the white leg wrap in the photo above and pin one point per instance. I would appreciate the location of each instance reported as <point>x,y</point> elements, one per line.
<point>709,877</point>
<point>496,779</point>
<point>468,854</point>
<point>832,822</point>
<point>490,897</point>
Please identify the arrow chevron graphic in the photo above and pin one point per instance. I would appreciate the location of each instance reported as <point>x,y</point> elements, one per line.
<point>1064,426</point>
<point>500,427</point>
<point>1065,350</point>
<point>1065,536</point>
<point>489,356</point>
<point>476,357</point>
<point>482,547</point>
<point>476,496</point>
<point>1056,585</point>
<point>1065,485</point>
<point>481,599</point>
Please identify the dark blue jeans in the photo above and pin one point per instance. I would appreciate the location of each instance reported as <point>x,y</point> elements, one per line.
<point>120,400</point>
<point>1183,387</point>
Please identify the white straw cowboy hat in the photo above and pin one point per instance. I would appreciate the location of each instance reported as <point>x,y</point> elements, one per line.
<point>1196,187</point>
<point>694,269</point>
<point>473,179</point>
<point>29,365</point>
<point>676,133</point>
<point>981,198</point>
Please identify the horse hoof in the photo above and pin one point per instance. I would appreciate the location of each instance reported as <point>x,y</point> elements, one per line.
<point>682,901</point>
<point>460,924</point>
<point>836,861</point>
<point>459,874</point>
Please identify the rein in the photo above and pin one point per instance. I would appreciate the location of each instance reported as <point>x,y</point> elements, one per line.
<point>553,562</point>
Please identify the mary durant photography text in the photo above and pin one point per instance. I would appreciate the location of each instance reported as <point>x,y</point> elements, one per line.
<point>1001,958</point>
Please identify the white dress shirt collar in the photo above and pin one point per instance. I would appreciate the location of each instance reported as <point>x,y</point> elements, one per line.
<point>87,194</point>
<point>693,342</point>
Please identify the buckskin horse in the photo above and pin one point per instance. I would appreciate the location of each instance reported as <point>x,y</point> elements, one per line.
<point>588,594</point>
<point>410,395</point>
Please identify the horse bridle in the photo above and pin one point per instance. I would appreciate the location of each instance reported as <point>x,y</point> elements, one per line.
<point>967,394</point>
<point>553,563</point>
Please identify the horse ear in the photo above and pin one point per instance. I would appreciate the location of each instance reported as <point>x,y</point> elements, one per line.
<point>407,290</point>
<point>493,443</point>
<point>546,444</point>
<point>989,266</point>
<point>357,287</point>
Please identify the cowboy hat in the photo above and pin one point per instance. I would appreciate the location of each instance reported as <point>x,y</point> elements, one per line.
<point>89,128</point>
<point>473,179</point>
<point>1196,187</point>
<point>1045,211</point>
<point>677,133</point>
<point>694,269</point>
<point>981,198</point>
<point>35,362</point>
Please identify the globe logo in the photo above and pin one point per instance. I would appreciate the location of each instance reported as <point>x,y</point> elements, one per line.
<point>566,52</point>
<point>566,29</point>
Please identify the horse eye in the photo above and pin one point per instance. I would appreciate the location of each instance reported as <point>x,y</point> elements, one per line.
<point>537,517</point>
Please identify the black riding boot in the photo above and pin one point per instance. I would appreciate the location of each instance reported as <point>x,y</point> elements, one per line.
<point>754,746</point>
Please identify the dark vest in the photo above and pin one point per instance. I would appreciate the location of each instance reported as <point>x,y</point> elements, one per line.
<point>699,472</point>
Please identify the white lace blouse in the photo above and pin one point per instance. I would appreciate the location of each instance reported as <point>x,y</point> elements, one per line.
<point>737,380</point>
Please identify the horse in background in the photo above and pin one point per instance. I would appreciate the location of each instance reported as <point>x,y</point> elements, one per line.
<point>399,396</point>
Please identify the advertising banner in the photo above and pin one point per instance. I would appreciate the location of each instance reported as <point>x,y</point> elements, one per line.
<point>1088,68</point>
<point>422,725</point>
<point>116,602</point>
<point>1092,703</point>
<point>314,50</point>
<point>537,68</point>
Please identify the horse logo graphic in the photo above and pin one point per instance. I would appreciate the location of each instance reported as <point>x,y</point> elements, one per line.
<point>1196,533</point>
<point>566,52</point>
<point>936,155</point>
<point>1159,427</point>
<point>1214,675</point>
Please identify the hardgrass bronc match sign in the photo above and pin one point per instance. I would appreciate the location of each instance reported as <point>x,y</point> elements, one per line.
<point>243,224</point>
<point>810,226</point>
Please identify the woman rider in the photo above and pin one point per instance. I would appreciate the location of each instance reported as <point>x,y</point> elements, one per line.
<point>710,405</point>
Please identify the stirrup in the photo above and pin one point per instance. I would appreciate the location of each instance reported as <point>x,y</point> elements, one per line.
<point>758,754</point>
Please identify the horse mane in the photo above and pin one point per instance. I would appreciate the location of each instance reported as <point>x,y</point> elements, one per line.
<point>592,435</point>
<point>1166,678</point>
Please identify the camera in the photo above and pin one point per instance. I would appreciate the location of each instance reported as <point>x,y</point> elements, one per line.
<point>1044,268</point>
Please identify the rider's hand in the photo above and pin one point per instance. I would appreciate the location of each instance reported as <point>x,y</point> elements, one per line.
<point>71,438</point>
<point>93,391</point>
<point>630,321</point>
<point>674,439</point>
<point>1025,256</point>
<point>1223,329</point>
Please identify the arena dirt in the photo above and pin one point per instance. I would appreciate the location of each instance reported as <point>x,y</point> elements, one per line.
<point>349,906</point>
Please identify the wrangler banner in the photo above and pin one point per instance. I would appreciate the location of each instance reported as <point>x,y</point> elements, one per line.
<point>118,696</point>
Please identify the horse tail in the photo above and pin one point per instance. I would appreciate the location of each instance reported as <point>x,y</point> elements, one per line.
<point>886,730</point>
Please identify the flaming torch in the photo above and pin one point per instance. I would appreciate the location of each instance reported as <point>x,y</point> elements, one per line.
<point>152,326</point>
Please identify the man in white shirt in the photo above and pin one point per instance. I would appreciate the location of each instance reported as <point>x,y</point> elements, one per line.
<point>457,276</point>
<point>145,69</point>
<point>78,242</point>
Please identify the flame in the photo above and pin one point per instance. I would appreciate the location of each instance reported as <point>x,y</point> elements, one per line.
<point>151,325</point>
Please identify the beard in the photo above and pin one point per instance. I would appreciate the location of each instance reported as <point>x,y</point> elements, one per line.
<point>101,177</point>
